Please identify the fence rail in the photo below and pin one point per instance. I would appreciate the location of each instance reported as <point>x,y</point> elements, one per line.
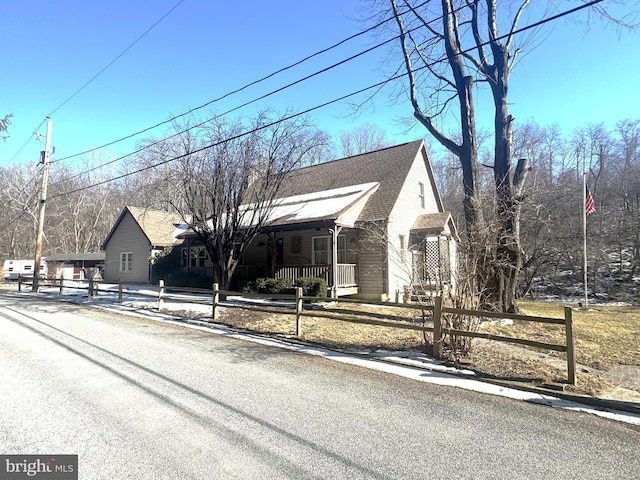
<point>434,312</point>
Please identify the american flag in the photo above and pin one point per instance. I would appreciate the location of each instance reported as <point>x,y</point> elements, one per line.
<point>589,204</point>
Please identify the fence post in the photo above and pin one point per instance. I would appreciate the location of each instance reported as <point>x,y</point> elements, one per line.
<point>61,283</point>
<point>298,310</point>
<point>120,290</point>
<point>571,359</point>
<point>437,327</point>
<point>216,298</point>
<point>160,294</point>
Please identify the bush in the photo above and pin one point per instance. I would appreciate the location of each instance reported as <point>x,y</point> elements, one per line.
<point>167,267</point>
<point>312,286</point>
<point>187,279</point>
<point>165,264</point>
<point>274,285</point>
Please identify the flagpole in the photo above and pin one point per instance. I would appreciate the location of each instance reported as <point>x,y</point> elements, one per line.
<point>584,236</point>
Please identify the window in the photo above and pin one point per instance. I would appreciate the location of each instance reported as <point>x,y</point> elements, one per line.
<point>184,258</point>
<point>322,250</point>
<point>198,256</point>
<point>421,193</point>
<point>342,249</point>
<point>403,248</point>
<point>126,261</point>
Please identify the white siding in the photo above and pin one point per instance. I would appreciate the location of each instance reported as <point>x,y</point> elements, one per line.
<point>350,217</point>
<point>403,215</point>
<point>128,237</point>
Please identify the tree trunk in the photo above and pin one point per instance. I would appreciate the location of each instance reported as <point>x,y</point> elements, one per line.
<point>508,259</point>
<point>495,261</point>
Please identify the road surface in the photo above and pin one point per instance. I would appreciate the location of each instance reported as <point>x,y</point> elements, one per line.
<point>141,399</point>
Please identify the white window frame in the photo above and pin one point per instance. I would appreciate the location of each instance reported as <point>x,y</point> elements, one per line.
<point>421,194</point>
<point>126,261</point>
<point>403,248</point>
<point>342,249</point>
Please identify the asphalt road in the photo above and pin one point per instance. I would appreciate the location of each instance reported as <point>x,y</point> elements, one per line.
<point>139,399</point>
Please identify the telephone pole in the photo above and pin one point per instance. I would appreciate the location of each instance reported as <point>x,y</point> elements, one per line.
<point>41,206</point>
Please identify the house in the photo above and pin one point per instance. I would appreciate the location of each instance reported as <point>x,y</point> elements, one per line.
<point>135,239</point>
<point>372,225</point>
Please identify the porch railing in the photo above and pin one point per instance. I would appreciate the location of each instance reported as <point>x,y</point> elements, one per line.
<point>346,273</point>
<point>296,271</point>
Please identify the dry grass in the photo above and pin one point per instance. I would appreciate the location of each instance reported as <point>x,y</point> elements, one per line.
<point>605,337</point>
<point>337,333</point>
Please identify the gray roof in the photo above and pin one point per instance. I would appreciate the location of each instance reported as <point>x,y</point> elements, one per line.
<point>158,226</point>
<point>73,257</point>
<point>435,222</point>
<point>388,166</point>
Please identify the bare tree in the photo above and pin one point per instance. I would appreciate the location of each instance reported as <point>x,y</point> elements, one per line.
<point>4,126</point>
<point>449,48</point>
<point>19,198</point>
<point>467,37</point>
<point>320,147</point>
<point>226,177</point>
<point>80,217</point>
<point>365,138</point>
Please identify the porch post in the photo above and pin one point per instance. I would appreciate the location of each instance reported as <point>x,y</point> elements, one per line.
<point>334,260</point>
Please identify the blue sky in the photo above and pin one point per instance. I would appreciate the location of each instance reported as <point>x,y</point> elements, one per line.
<point>204,49</point>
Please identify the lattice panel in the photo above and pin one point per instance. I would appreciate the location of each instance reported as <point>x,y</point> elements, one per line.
<point>432,258</point>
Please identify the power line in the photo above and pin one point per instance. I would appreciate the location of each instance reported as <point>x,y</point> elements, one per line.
<point>220,142</point>
<point>117,58</point>
<point>87,83</point>
<point>27,141</point>
<point>110,162</point>
<point>250,84</point>
<point>262,97</point>
<point>344,97</point>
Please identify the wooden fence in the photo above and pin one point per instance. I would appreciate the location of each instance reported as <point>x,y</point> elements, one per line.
<point>435,311</point>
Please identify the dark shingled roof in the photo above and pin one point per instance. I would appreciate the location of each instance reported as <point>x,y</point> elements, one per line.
<point>436,222</point>
<point>388,166</point>
<point>432,221</point>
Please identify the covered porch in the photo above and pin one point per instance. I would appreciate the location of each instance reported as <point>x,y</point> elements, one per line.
<point>316,250</point>
<point>344,282</point>
<point>302,236</point>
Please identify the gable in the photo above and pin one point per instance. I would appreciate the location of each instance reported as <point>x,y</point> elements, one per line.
<point>435,223</point>
<point>159,228</point>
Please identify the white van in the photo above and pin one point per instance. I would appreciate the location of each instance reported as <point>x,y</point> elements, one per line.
<point>13,269</point>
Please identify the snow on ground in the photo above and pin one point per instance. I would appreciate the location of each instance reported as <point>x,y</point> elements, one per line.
<point>139,301</point>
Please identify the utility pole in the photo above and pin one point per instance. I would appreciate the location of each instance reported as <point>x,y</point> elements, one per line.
<point>43,200</point>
